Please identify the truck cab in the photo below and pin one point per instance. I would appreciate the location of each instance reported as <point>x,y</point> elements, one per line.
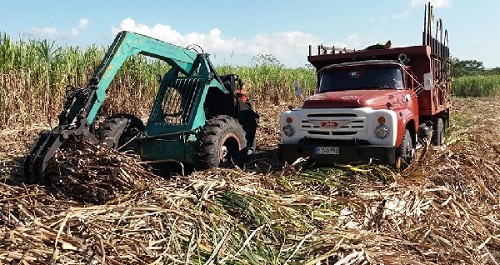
<point>375,105</point>
<point>371,106</point>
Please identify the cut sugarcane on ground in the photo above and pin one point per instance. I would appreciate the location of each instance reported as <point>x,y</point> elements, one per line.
<point>105,207</point>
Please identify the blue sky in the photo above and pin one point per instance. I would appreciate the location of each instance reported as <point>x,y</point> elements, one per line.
<point>235,31</point>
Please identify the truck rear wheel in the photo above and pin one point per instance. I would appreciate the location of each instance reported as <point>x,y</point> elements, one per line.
<point>438,135</point>
<point>117,129</point>
<point>405,152</point>
<point>222,141</point>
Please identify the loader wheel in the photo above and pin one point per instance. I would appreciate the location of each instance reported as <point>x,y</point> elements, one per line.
<point>118,129</point>
<point>222,140</point>
<point>405,153</point>
<point>438,135</point>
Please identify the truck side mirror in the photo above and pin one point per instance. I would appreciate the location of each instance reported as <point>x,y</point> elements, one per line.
<point>428,81</point>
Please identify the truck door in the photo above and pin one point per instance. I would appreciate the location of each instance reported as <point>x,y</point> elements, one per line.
<point>410,95</point>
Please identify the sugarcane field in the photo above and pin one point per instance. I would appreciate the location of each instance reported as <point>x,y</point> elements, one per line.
<point>145,151</point>
<point>105,207</point>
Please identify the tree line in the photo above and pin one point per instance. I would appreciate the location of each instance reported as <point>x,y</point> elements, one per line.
<point>470,68</point>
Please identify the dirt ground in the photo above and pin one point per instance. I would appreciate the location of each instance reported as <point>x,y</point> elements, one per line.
<point>457,186</point>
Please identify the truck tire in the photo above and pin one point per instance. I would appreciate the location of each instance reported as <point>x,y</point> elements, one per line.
<point>117,129</point>
<point>222,141</point>
<point>405,152</point>
<point>438,135</point>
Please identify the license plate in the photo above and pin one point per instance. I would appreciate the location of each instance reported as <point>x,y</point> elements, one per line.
<point>326,150</point>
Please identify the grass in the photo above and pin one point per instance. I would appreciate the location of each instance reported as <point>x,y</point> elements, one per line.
<point>476,86</point>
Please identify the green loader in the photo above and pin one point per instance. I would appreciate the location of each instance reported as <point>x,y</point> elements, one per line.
<point>198,118</point>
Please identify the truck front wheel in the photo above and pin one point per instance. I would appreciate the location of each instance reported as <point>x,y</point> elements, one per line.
<point>221,143</point>
<point>438,135</point>
<point>405,153</point>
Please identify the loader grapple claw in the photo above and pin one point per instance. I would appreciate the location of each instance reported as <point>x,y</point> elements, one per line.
<point>37,160</point>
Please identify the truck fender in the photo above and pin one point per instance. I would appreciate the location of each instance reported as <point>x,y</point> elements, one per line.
<point>406,120</point>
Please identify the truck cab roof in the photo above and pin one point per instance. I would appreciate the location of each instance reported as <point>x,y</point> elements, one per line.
<point>420,54</point>
<point>363,63</point>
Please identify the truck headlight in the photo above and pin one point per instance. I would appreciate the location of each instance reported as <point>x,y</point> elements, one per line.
<point>382,131</point>
<point>288,130</point>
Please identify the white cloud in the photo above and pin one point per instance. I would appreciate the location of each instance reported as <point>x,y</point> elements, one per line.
<point>289,47</point>
<point>45,32</point>
<point>435,3</point>
<point>51,32</point>
<point>401,15</point>
<point>283,45</point>
<point>83,23</point>
<point>159,31</point>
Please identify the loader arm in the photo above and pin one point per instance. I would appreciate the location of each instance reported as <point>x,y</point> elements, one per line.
<point>125,45</point>
<point>82,105</point>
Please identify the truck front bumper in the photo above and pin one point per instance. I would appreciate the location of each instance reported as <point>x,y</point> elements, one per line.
<point>346,153</point>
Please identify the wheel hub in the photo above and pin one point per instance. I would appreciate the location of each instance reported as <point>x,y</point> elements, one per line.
<point>223,153</point>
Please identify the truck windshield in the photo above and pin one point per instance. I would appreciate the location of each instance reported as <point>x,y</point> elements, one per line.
<point>360,78</point>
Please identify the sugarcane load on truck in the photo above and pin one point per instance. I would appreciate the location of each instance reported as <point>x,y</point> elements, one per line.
<point>376,105</point>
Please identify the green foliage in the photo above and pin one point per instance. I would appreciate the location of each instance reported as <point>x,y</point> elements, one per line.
<point>476,86</point>
<point>266,60</point>
<point>268,80</point>
<point>495,71</point>
<point>36,72</point>
<point>461,68</point>
<point>466,67</point>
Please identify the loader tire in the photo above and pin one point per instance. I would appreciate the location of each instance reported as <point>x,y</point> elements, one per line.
<point>438,135</point>
<point>118,129</point>
<point>221,143</point>
<point>405,153</point>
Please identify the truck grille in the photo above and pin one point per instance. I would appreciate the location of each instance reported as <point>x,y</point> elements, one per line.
<point>333,124</point>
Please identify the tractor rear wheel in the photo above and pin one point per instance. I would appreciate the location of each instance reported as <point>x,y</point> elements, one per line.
<point>117,130</point>
<point>222,141</point>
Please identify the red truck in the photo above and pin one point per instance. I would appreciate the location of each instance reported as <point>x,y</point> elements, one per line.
<point>377,105</point>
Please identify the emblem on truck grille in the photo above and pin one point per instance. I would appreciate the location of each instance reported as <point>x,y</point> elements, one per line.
<point>331,124</point>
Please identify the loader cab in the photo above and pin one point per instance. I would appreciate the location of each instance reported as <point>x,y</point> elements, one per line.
<point>218,102</point>
<point>174,106</point>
